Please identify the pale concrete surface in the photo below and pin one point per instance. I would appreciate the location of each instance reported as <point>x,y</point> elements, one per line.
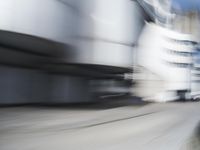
<point>169,126</point>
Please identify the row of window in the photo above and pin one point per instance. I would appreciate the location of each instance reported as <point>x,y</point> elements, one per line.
<point>195,81</point>
<point>182,42</point>
<point>180,53</point>
<point>180,65</point>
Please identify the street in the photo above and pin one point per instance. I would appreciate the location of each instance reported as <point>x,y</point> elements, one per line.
<point>152,126</point>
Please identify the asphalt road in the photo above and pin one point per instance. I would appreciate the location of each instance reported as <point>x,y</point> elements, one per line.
<point>101,126</point>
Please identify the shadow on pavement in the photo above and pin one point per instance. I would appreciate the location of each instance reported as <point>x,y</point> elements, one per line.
<point>107,103</point>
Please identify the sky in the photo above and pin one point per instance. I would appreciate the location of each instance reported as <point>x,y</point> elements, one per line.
<point>186,5</point>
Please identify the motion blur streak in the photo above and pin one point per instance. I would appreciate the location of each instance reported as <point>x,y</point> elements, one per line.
<point>99,74</point>
<point>64,51</point>
<point>172,126</point>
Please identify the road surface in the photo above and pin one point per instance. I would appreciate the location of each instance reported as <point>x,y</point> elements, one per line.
<point>169,126</point>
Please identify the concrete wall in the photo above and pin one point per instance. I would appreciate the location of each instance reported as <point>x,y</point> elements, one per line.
<point>24,86</point>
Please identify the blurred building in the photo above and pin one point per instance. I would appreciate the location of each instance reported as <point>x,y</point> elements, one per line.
<point>165,54</point>
<point>54,51</point>
<point>189,22</point>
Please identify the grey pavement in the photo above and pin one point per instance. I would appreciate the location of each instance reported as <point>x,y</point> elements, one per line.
<point>154,126</point>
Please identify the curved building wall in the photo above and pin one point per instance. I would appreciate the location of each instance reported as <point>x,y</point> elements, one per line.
<point>48,19</point>
<point>70,41</point>
<point>99,32</point>
<point>165,60</point>
<point>107,32</point>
